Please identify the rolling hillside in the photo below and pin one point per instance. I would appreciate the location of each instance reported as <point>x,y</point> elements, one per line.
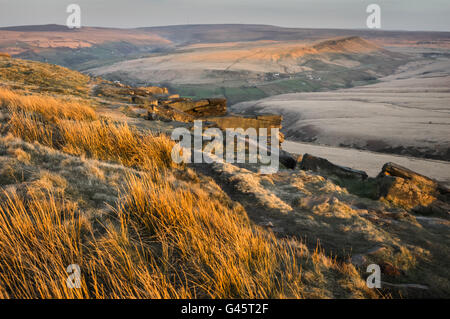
<point>248,70</point>
<point>239,62</point>
<point>83,180</point>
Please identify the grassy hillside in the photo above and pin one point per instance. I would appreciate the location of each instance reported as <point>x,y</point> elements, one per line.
<point>80,188</point>
<point>242,71</point>
<point>42,77</point>
<point>82,183</point>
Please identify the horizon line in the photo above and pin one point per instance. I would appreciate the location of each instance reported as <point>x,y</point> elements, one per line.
<point>223,24</point>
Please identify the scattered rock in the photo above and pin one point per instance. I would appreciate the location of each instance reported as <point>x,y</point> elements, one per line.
<point>139,112</point>
<point>208,107</point>
<point>153,90</point>
<point>180,104</point>
<point>392,169</point>
<point>164,112</point>
<point>437,208</point>
<point>322,165</point>
<point>411,190</point>
<point>245,122</point>
<point>288,160</point>
<point>136,99</point>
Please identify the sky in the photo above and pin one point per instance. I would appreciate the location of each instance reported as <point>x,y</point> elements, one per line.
<point>433,15</point>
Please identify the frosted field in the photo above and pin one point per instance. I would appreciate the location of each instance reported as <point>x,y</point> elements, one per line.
<point>408,110</point>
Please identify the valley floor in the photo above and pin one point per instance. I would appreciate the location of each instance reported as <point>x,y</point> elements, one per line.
<point>407,113</point>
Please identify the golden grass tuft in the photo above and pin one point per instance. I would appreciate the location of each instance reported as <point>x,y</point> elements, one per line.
<point>116,142</point>
<point>40,237</point>
<point>163,242</point>
<point>47,107</point>
<point>208,245</point>
<point>74,129</point>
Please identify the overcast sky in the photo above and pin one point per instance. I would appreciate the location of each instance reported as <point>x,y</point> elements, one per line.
<point>395,14</point>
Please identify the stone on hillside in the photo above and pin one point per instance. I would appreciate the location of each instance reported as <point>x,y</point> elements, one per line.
<point>437,208</point>
<point>392,169</point>
<point>128,93</point>
<point>406,188</point>
<point>139,112</point>
<point>153,90</point>
<point>167,113</point>
<point>322,165</point>
<point>136,99</point>
<point>246,122</point>
<point>208,107</point>
<point>200,108</point>
<point>288,160</point>
<point>180,104</point>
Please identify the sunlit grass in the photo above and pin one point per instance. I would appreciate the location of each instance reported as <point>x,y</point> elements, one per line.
<point>162,239</point>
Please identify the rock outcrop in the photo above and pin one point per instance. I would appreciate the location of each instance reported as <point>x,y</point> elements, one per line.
<point>323,166</point>
<point>165,112</point>
<point>209,107</point>
<point>288,160</point>
<point>136,95</point>
<point>152,90</point>
<point>201,108</point>
<point>144,100</point>
<point>245,122</point>
<point>412,191</point>
<point>161,105</point>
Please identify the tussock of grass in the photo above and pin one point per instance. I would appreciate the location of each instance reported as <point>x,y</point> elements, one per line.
<point>163,242</point>
<point>40,237</point>
<point>48,108</point>
<point>73,128</point>
<point>120,143</point>
<point>98,140</point>
<point>212,245</point>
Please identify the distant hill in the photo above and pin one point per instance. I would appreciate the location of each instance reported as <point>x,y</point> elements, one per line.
<point>39,28</point>
<point>237,61</point>
<point>94,46</point>
<point>213,33</point>
<point>243,71</point>
<point>74,47</point>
